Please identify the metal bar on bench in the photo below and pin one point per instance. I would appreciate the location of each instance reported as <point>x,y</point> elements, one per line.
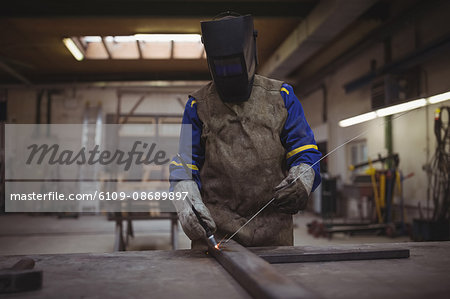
<point>355,229</point>
<point>255,275</point>
<point>300,255</point>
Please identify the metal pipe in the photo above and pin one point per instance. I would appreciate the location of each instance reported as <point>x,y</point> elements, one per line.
<point>38,106</point>
<point>49,107</point>
<point>388,140</point>
<point>49,111</point>
<point>14,73</point>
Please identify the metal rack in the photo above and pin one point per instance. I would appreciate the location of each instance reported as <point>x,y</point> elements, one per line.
<point>122,235</point>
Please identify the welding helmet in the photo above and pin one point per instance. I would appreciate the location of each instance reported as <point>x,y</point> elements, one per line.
<point>230,45</point>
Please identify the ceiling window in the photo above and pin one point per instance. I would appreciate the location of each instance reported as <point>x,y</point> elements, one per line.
<point>122,47</point>
<point>94,47</point>
<point>138,46</point>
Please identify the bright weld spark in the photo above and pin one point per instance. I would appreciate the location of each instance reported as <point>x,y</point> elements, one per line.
<point>329,153</point>
<point>220,242</point>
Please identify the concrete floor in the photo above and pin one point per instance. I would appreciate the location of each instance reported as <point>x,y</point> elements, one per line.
<point>23,234</point>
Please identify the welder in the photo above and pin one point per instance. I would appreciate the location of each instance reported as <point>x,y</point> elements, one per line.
<point>249,140</point>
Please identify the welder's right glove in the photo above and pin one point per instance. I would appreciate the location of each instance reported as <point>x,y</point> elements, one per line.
<point>188,220</point>
<point>291,197</point>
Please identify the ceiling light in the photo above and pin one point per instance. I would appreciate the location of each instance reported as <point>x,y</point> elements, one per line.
<point>395,109</point>
<point>137,46</point>
<point>70,45</point>
<point>439,98</point>
<point>357,119</point>
<point>401,107</point>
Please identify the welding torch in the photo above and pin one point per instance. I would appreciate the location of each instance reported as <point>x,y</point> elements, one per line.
<point>210,239</point>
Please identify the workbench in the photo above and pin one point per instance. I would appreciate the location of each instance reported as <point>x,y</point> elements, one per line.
<point>194,274</point>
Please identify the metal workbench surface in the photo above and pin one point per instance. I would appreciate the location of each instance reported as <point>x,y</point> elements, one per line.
<point>193,274</point>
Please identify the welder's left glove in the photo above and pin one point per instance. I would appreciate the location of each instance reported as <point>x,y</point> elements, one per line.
<point>188,219</point>
<point>293,198</point>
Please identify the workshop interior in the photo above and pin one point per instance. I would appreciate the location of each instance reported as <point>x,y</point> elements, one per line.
<point>225,149</point>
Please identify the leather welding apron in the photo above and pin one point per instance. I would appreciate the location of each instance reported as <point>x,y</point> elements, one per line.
<point>244,161</point>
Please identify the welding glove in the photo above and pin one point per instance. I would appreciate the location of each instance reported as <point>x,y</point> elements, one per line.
<point>188,220</point>
<point>292,198</point>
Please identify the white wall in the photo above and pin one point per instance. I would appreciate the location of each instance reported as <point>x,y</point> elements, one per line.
<point>410,136</point>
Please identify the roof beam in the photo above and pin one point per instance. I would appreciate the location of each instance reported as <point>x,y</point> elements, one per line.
<point>73,78</point>
<point>307,85</point>
<point>168,8</point>
<point>14,73</point>
<point>325,22</point>
<point>438,47</point>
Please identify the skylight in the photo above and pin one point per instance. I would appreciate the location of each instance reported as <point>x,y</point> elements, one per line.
<point>138,46</point>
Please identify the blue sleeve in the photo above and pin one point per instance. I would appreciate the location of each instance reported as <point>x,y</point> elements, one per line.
<point>297,137</point>
<point>190,147</point>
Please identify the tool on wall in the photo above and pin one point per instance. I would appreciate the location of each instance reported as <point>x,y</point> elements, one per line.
<point>441,165</point>
<point>386,179</point>
<point>436,227</point>
<point>384,183</point>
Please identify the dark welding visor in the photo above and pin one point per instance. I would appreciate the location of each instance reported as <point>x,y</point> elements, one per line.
<point>228,66</point>
<point>230,45</point>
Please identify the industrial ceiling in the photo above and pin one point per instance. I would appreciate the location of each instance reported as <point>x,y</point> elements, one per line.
<point>295,38</point>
